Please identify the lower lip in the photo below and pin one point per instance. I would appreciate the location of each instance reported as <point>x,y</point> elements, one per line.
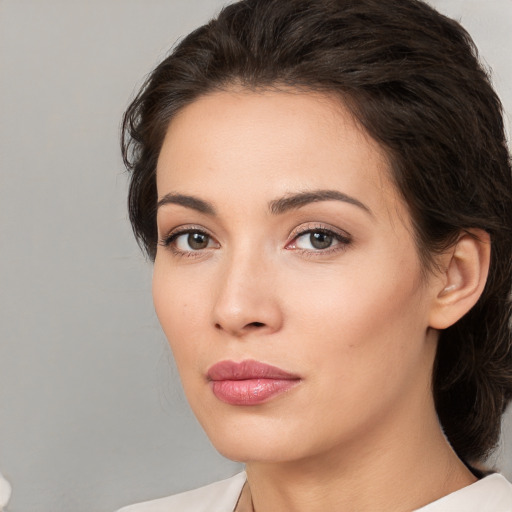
<point>251,391</point>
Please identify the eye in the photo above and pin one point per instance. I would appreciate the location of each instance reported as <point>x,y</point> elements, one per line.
<point>319,240</point>
<point>194,240</point>
<point>188,241</point>
<point>315,240</point>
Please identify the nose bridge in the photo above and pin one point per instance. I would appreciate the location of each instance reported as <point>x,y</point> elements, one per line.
<point>245,298</point>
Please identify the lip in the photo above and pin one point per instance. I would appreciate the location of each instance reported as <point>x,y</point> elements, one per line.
<point>249,382</point>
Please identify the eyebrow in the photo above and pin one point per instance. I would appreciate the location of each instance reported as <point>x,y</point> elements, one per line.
<point>301,199</point>
<point>188,202</point>
<point>276,207</point>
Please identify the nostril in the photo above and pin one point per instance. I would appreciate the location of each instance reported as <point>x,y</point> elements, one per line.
<point>255,324</point>
<point>247,327</point>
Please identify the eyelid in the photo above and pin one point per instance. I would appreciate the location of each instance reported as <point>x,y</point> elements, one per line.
<point>318,226</point>
<point>167,239</point>
<point>342,238</point>
<point>183,228</point>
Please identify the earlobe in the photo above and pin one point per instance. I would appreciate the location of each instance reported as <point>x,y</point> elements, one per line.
<point>463,280</point>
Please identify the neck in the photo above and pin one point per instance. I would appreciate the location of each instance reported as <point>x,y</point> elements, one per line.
<point>400,472</point>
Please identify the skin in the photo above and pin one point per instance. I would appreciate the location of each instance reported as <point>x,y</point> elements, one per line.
<point>354,320</point>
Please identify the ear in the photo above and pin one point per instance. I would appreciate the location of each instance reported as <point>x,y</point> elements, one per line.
<point>465,269</point>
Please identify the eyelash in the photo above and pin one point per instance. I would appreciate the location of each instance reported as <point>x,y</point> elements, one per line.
<point>343,239</point>
<point>168,240</point>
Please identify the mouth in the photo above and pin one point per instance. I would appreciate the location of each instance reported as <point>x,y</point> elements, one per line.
<point>249,382</point>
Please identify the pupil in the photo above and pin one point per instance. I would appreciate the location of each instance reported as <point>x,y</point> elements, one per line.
<point>197,240</point>
<point>320,240</point>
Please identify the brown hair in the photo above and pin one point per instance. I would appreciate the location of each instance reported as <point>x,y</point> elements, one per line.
<point>412,78</point>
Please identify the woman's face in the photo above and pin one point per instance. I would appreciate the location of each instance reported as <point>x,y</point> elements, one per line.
<point>284,242</point>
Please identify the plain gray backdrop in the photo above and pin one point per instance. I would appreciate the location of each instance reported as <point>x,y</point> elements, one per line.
<point>92,416</point>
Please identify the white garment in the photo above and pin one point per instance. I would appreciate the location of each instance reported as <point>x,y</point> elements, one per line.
<point>220,496</point>
<point>490,494</point>
<point>5,492</point>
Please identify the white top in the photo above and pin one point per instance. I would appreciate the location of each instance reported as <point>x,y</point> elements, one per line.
<point>5,492</point>
<point>490,494</point>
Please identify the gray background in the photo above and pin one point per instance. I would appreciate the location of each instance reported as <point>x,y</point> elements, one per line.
<point>91,414</point>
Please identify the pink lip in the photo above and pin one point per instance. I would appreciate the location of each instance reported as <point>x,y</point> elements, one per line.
<point>249,382</point>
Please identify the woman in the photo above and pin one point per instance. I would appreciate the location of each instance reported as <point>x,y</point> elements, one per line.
<point>325,190</point>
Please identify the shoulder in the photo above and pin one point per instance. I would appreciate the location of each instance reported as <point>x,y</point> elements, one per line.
<point>220,496</point>
<point>490,494</point>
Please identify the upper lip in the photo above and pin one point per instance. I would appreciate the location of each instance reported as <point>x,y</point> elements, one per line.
<point>248,369</point>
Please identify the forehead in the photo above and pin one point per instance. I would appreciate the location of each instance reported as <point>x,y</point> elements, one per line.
<point>270,143</point>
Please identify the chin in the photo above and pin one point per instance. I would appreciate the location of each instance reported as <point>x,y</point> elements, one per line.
<point>257,439</point>
<point>249,451</point>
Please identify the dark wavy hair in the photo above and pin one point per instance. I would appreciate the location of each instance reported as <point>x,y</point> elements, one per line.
<point>413,80</point>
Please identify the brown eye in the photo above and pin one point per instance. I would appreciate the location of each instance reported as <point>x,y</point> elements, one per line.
<point>320,240</point>
<point>316,240</point>
<point>189,241</point>
<point>198,241</point>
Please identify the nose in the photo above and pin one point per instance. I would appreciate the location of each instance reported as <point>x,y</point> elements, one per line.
<point>247,300</point>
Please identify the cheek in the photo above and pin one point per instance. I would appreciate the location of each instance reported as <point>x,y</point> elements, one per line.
<point>365,316</point>
<point>363,343</point>
<point>179,306</point>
